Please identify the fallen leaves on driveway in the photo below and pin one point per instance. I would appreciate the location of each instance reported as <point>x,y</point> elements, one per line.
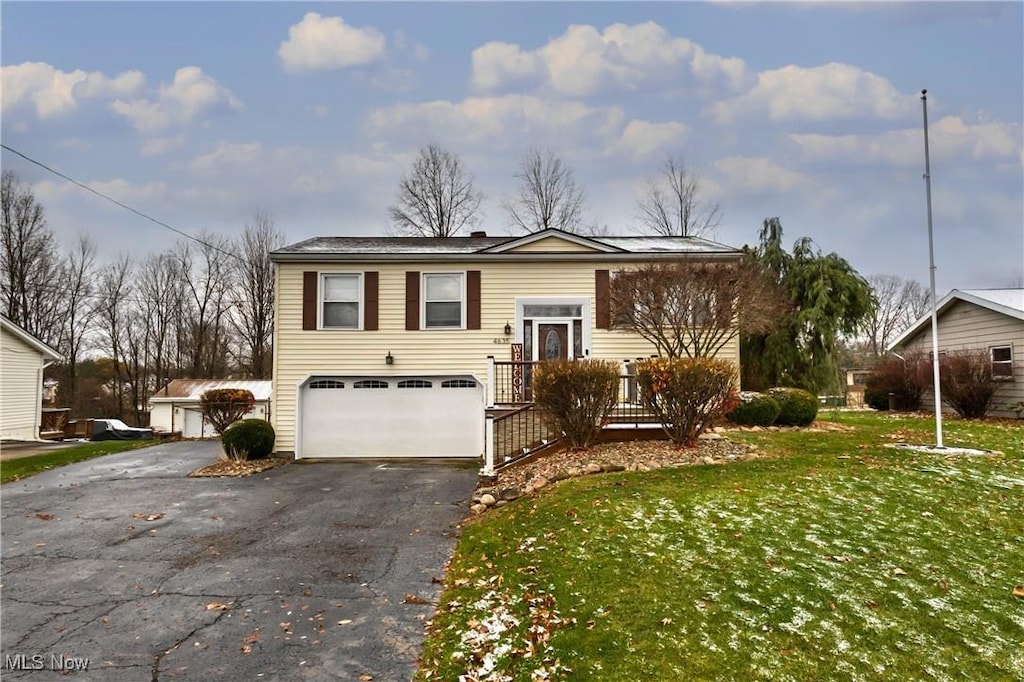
<point>148,517</point>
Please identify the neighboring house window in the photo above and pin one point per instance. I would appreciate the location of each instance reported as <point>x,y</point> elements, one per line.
<point>1002,362</point>
<point>443,300</point>
<point>340,301</point>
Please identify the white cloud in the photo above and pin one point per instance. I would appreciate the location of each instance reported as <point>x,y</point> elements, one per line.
<point>157,146</point>
<point>758,175</point>
<point>54,92</point>
<point>642,138</point>
<point>949,137</point>
<point>191,95</point>
<point>583,61</point>
<point>498,120</point>
<point>827,92</point>
<point>318,43</point>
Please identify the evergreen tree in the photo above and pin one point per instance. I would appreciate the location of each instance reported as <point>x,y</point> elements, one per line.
<point>828,300</point>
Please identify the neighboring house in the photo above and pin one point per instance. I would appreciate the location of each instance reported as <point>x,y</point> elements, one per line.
<point>381,345</point>
<point>175,407</point>
<point>23,358</point>
<point>856,379</point>
<point>991,320</point>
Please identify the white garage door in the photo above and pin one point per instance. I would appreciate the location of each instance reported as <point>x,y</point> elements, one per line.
<point>425,416</point>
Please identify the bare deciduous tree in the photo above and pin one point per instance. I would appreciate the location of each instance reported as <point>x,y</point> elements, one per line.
<point>671,203</point>
<point>78,289</point>
<point>30,264</point>
<point>254,309</point>
<point>207,272</point>
<point>162,292</point>
<point>114,315</point>
<point>436,198</point>
<point>899,303</point>
<point>694,308</point>
<point>548,196</point>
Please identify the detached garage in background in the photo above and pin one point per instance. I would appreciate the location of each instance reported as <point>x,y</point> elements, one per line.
<point>176,406</point>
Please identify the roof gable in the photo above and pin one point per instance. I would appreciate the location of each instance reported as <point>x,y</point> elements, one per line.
<point>1009,302</point>
<point>552,240</point>
<point>29,339</point>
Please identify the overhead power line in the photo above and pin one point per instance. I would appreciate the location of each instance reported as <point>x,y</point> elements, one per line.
<point>121,204</point>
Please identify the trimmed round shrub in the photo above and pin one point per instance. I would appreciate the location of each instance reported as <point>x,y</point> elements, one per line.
<point>248,439</point>
<point>797,407</point>
<point>755,409</point>
<point>576,397</point>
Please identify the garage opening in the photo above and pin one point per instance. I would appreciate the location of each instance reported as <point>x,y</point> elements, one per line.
<point>418,416</point>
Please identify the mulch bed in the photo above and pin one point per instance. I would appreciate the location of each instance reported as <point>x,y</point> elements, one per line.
<point>230,467</point>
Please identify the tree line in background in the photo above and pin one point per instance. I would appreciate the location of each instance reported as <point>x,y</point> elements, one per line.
<point>202,309</point>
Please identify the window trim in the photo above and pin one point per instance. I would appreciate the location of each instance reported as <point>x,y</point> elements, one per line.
<point>462,300</point>
<point>993,362</point>
<point>360,300</point>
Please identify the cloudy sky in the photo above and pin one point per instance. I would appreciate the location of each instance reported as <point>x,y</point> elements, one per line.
<point>199,114</point>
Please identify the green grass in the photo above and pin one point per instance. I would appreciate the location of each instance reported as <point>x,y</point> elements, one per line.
<point>15,469</point>
<point>836,559</point>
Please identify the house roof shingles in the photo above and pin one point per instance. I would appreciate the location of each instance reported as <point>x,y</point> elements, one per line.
<point>426,247</point>
<point>192,389</point>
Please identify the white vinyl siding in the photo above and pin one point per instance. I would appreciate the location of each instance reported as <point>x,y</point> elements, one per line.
<point>20,388</point>
<point>299,354</point>
<point>966,326</point>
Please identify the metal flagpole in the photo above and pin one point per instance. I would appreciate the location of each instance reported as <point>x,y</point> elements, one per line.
<point>931,274</point>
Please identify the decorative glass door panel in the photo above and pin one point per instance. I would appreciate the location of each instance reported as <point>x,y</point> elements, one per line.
<point>553,341</point>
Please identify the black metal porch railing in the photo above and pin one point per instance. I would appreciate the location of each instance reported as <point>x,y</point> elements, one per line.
<point>519,432</point>
<point>512,382</point>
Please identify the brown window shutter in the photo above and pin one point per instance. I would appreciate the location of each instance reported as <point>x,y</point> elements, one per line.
<point>309,299</point>
<point>603,312</point>
<point>371,285</point>
<point>412,301</point>
<point>473,299</point>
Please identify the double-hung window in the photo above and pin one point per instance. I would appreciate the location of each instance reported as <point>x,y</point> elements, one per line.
<point>444,300</point>
<point>1002,362</point>
<point>341,301</point>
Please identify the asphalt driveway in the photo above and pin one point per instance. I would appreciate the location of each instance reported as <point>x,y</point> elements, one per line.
<point>299,573</point>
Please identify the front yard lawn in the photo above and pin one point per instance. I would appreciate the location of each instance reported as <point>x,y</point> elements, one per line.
<point>15,469</point>
<point>837,558</point>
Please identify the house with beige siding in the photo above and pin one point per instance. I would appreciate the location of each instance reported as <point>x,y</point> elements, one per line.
<point>990,320</point>
<point>23,358</point>
<point>387,347</point>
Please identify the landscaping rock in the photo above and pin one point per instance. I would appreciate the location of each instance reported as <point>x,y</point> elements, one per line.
<point>614,467</point>
<point>488,500</point>
<point>478,508</point>
<point>592,468</point>
<point>653,465</point>
<point>539,483</point>
<point>510,494</point>
<point>500,503</point>
<point>559,476</point>
<point>710,436</point>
